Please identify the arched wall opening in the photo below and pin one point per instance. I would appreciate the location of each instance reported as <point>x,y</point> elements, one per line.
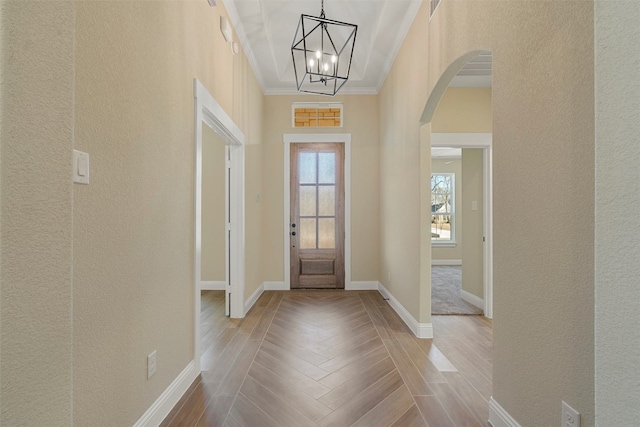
<point>476,289</point>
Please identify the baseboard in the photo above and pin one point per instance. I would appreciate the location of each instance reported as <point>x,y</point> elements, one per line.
<point>275,286</point>
<point>420,330</point>
<point>472,299</point>
<point>212,285</point>
<point>168,399</point>
<point>362,286</point>
<point>253,298</point>
<point>498,417</point>
<point>446,262</point>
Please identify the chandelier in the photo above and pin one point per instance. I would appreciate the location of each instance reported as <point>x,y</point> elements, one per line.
<point>322,50</point>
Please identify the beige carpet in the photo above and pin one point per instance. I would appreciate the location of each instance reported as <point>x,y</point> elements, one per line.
<point>446,285</point>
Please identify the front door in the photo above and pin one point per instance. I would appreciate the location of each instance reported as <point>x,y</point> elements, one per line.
<point>317,216</point>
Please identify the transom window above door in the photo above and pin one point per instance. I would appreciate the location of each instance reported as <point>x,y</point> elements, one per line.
<point>318,114</point>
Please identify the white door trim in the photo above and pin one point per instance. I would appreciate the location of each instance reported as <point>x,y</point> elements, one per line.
<point>207,110</point>
<point>311,138</point>
<point>484,141</point>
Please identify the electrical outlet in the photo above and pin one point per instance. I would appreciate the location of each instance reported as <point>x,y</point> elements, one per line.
<point>151,364</point>
<point>570,417</point>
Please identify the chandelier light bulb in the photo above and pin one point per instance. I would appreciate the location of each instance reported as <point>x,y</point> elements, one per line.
<point>325,66</point>
<point>334,59</point>
<point>311,63</point>
<point>318,54</point>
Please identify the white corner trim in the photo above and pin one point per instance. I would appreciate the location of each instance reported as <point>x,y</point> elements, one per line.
<point>275,286</point>
<point>472,299</point>
<point>213,285</point>
<point>446,262</point>
<point>158,411</point>
<point>253,298</point>
<point>362,286</point>
<point>498,417</point>
<point>420,330</point>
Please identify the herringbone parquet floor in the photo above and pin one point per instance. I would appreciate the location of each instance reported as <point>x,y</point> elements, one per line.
<point>336,358</point>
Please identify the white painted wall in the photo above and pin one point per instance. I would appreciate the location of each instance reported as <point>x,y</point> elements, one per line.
<point>36,138</point>
<point>617,223</point>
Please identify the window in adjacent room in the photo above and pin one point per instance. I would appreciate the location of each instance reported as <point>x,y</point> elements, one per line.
<point>318,114</point>
<point>442,208</point>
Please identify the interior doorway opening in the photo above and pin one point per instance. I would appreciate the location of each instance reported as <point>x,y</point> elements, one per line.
<point>228,140</point>
<point>215,215</point>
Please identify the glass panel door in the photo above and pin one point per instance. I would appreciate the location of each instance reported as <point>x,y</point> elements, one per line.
<point>317,215</point>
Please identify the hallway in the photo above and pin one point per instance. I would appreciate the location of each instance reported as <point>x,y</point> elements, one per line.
<point>336,358</point>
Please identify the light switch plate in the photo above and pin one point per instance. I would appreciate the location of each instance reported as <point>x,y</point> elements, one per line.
<point>80,166</point>
<point>152,364</point>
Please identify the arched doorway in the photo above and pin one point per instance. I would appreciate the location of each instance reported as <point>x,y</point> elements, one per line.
<point>475,287</point>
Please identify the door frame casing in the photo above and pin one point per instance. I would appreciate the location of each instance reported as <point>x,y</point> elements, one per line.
<point>209,112</point>
<point>315,138</point>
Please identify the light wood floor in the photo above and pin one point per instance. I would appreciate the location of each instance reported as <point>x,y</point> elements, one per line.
<point>336,358</point>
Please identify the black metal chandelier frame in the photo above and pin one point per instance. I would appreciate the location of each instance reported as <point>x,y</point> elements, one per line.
<point>324,71</point>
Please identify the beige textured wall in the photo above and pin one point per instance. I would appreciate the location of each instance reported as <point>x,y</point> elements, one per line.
<point>472,221</point>
<point>463,110</point>
<point>401,101</point>
<point>249,100</point>
<point>617,222</point>
<point>133,226</point>
<point>451,252</point>
<point>213,206</point>
<point>359,113</point>
<point>253,219</point>
<point>36,139</point>
<point>542,103</point>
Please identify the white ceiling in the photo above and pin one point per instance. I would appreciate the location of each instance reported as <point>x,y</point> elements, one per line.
<point>266,29</point>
